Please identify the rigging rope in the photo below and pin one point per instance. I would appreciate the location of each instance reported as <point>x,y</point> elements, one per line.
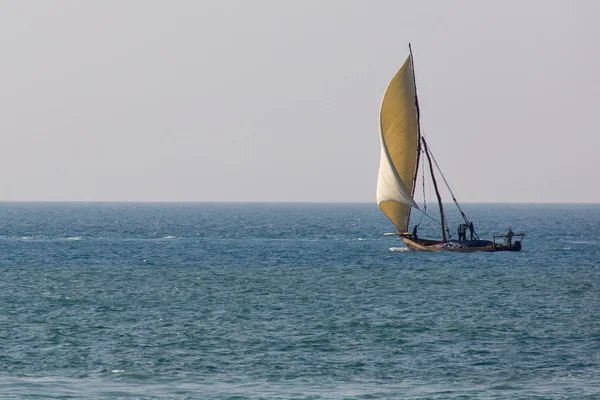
<point>424,211</point>
<point>464,216</point>
<point>424,196</point>
<point>428,216</point>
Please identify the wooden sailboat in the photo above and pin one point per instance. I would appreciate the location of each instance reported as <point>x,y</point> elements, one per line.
<point>403,149</point>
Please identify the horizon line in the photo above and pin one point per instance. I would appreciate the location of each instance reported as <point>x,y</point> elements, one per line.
<point>268,202</point>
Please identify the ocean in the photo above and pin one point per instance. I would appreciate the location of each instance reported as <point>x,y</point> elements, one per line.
<point>293,301</point>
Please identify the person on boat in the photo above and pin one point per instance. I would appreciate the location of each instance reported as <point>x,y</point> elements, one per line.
<point>415,232</point>
<point>472,231</point>
<point>509,236</point>
<point>462,232</point>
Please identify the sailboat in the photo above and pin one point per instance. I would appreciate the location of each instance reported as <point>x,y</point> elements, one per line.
<point>403,150</point>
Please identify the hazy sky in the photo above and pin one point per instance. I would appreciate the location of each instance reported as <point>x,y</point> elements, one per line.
<point>279,100</point>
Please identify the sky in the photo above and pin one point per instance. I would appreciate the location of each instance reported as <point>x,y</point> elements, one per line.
<point>279,100</point>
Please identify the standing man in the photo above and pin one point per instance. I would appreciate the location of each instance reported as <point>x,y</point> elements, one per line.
<point>472,231</point>
<point>462,232</point>
<point>509,236</point>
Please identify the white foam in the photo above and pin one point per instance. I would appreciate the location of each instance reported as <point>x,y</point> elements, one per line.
<point>31,237</point>
<point>399,248</point>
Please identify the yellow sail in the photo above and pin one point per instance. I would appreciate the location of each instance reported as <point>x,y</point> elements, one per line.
<point>399,136</point>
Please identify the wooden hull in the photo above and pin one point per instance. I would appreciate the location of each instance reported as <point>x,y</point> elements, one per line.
<point>438,245</point>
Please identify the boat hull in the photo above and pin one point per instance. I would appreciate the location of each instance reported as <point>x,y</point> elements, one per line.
<point>461,247</point>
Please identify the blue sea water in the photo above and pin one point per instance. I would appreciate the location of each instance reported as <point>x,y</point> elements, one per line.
<point>293,301</point>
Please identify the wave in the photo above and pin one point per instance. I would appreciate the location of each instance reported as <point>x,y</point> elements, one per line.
<point>34,237</point>
<point>63,238</point>
<point>583,242</point>
<point>47,238</point>
<point>399,249</point>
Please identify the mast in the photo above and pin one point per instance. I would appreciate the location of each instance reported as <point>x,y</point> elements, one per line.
<point>437,192</point>
<point>412,64</point>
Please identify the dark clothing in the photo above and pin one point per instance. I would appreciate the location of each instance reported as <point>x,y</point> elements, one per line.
<point>415,232</point>
<point>472,231</point>
<point>462,232</point>
<point>509,236</point>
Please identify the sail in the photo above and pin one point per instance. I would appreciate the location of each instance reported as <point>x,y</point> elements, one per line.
<point>399,136</point>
